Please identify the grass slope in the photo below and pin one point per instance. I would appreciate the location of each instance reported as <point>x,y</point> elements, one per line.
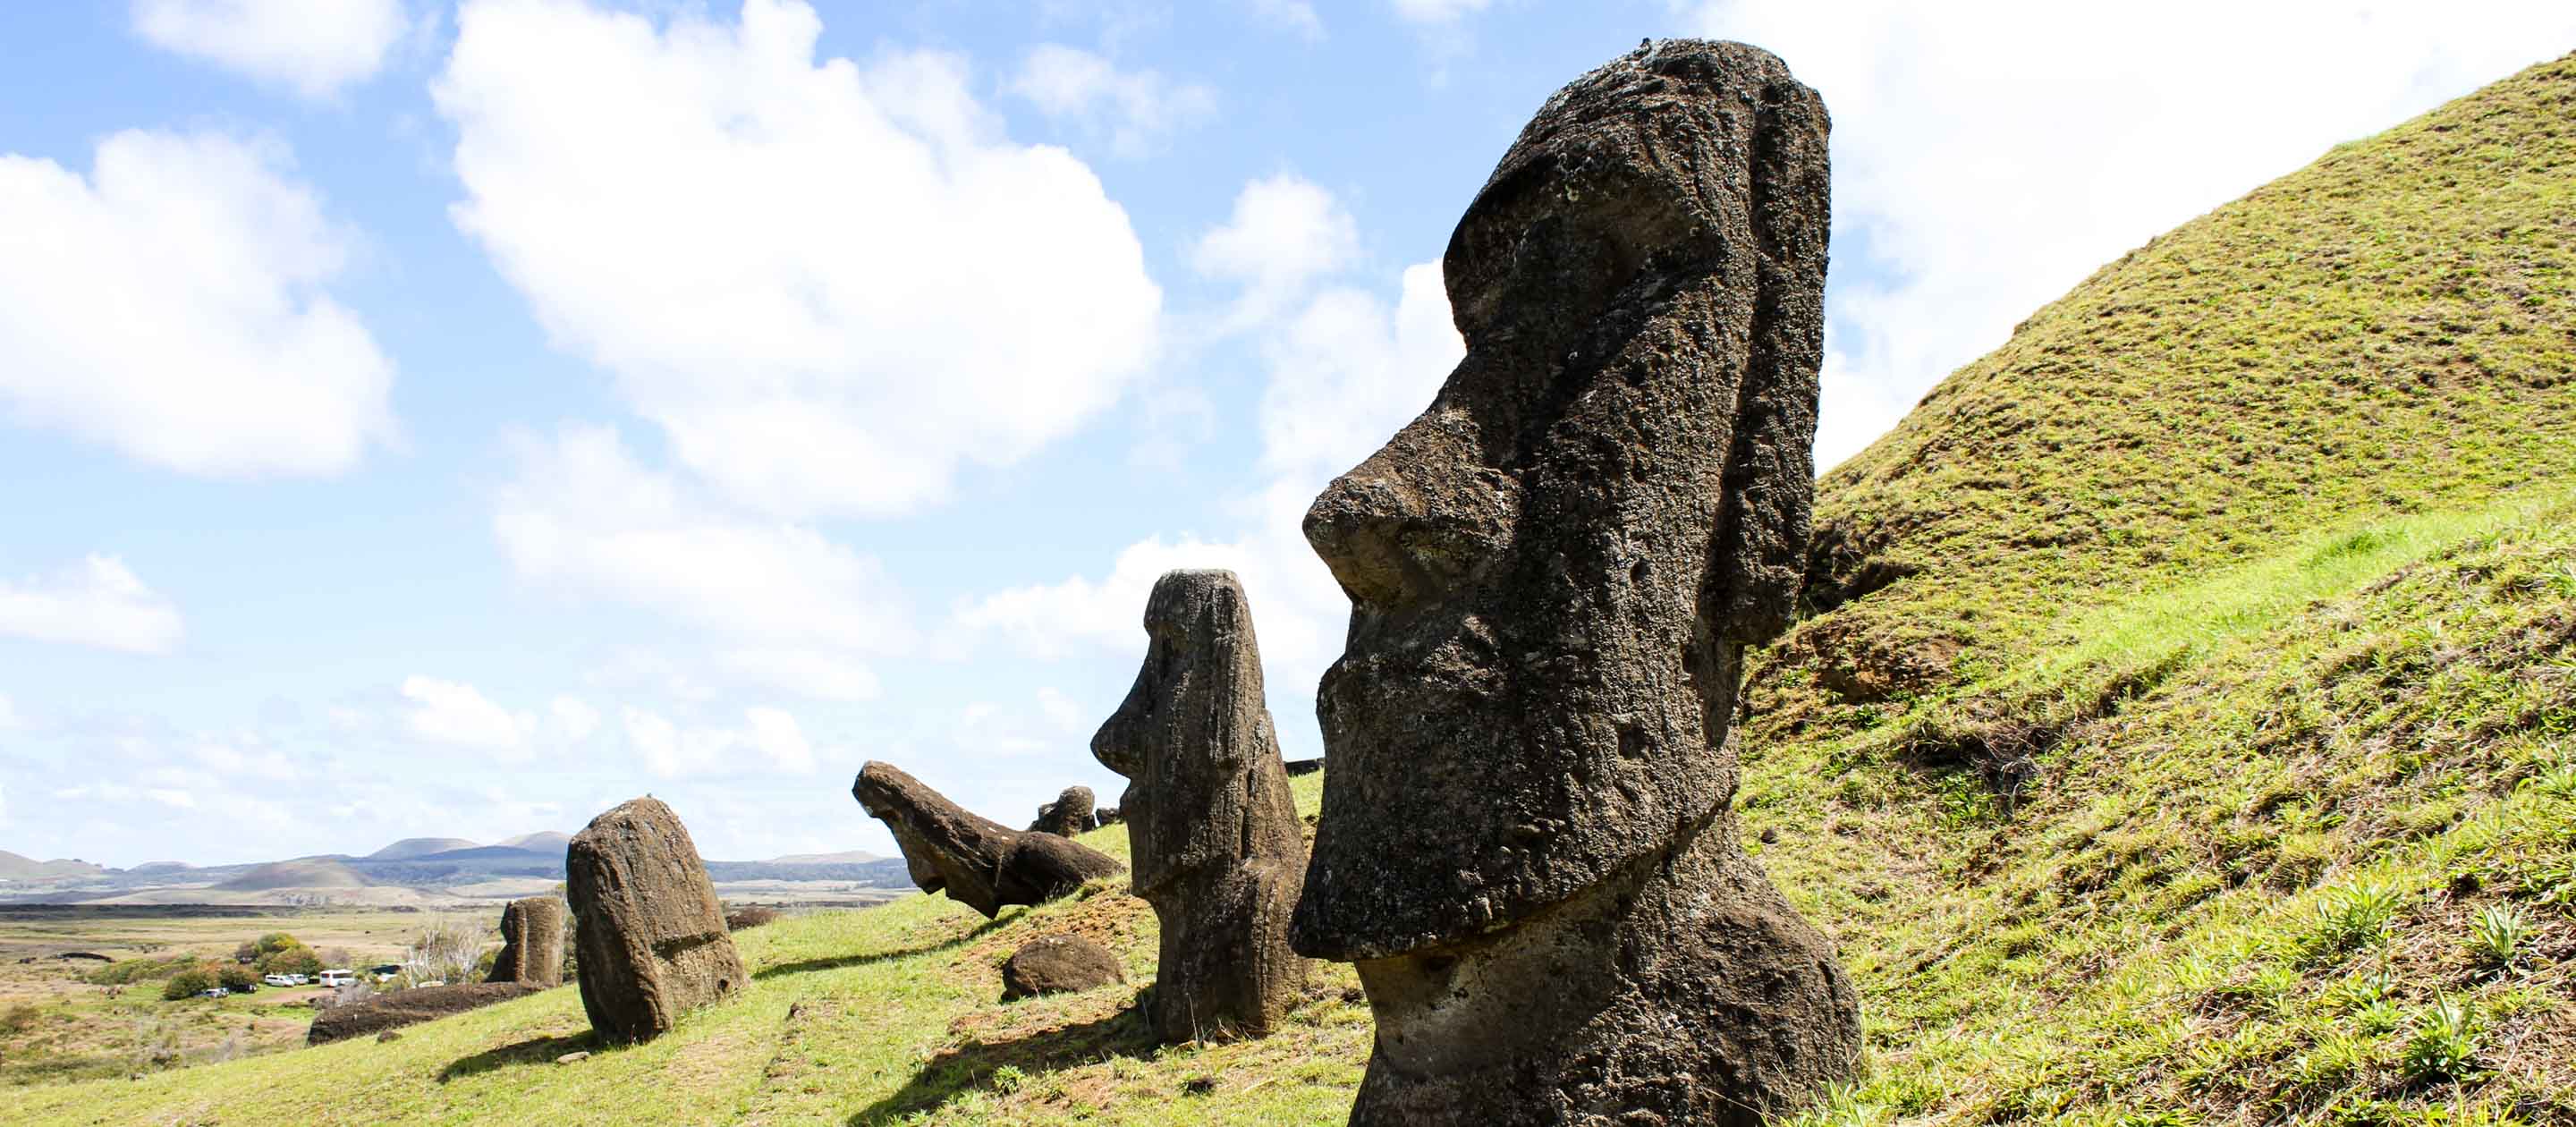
<point>2186,734</point>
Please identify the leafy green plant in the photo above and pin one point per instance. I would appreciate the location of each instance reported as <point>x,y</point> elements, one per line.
<point>2497,935</point>
<point>2444,1047</point>
<point>2349,918</point>
<point>187,983</point>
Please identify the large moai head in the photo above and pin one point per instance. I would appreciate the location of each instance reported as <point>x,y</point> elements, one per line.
<point>1194,737</point>
<point>1554,569</point>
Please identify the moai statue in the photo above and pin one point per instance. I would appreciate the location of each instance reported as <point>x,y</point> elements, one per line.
<point>652,938</point>
<point>531,943</point>
<point>1528,844</point>
<point>1068,815</point>
<point>1217,846</point>
<point>977,861</point>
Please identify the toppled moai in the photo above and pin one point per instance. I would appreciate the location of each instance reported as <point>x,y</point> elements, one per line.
<point>1528,845</point>
<point>651,933</point>
<point>1058,964</point>
<point>1214,834</point>
<point>531,943</point>
<point>977,861</point>
<point>1068,815</point>
<point>384,1013</point>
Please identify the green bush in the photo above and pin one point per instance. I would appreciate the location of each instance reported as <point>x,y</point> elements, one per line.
<point>128,971</point>
<point>237,977</point>
<point>2445,1044</point>
<point>189,983</point>
<point>297,959</point>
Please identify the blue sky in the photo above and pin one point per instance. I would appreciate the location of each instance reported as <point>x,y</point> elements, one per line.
<point>432,418</point>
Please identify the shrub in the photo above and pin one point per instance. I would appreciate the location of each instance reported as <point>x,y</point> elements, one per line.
<point>296,959</point>
<point>234,976</point>
<point>2349,918</point>
<point>188,983</point>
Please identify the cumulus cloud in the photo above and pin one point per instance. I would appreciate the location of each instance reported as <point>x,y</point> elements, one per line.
<point>816,674</point>
<point>98,602</point>
<point>582,514</point>
<point>459,715</point>
<point>1346,370</point>
<point>1962,202</point>
<point>832,284</point>
<point>670,750</point>
<point>312,47</point>
<point>1296,16</point>
<point>172,305</point>
<point>1137,111</point>
<point>1285,232</point>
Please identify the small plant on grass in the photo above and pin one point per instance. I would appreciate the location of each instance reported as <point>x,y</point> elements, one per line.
<point>2444,1048</point>
<point>2349,918</point>
<point>2497,935</point>
<point>1009,1079</point>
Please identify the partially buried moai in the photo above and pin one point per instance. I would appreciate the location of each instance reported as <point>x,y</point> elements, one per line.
<point>531,943</point>
<point>651,932</point>
<point>1217,847</point>
<point>1527,842</point>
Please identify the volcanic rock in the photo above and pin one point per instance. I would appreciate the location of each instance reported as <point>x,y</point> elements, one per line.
<point>531,943</point>
<point>1059,964</point>
<point>977,861</point>
<point>651,939</point>
<point>385,1012</point>
<point>1218,849</point>
<point>1527,843</point>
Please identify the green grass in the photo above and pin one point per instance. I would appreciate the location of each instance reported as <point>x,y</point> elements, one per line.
<point>2186,735</point>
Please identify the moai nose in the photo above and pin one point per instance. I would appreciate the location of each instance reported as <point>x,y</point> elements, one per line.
<point>1394,537</point>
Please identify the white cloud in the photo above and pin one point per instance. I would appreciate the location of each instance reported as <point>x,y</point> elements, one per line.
<point>9,714</point>
<point>582,514</point>
<point>1964,198</point>
<point>573,718</point>
<point>831,284</point>
<point>1290,15</point>
<point>459,715</point>
<point>1346,371</point>
<point>313,47</point>
<point>171,797</point>
<point>1438,11</point>
<point>672,751</point>
<point>818,674</point>
<point>1139,111</point>
<point>1285,233</point>
<point>172,306</point>
<point>97,602</point>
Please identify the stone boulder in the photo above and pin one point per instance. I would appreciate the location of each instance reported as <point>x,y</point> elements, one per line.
<point>531,943</point>
<point>385,1012</point>
<point>652,938</point>
<point>1218,849</point>
<point>1068,815</point>
<point>1059,964</point>
<point>977,861</point>
<point>1528,842</point>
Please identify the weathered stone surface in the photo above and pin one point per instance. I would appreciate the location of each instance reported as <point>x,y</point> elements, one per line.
<point>1298,767</point>
<point>1068,815</point>
<point>531,943</point>
<point>1058,964</point>
<point>652,938</point>
<point>977,861</point>
<point>1528,844</point>
<point>1218,849</point>
<point>386,1012</point>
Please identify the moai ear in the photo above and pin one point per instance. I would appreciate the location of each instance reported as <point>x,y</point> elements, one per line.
<point>1758,556</point>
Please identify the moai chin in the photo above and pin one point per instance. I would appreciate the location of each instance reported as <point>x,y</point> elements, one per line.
<point>1216,845</point>
<point>1527,842</point>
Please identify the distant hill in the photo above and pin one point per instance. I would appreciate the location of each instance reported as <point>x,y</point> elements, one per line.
<point>154,868</point>
<point>846,857</point>
<point>546,842</point>
<point>309,872</point>
<point>411,847</point>
<point>15,867</point>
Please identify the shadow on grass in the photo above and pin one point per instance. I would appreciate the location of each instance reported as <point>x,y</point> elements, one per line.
<point>536,1050</point>
<point>1126,1033</point>
<point>844,961</point>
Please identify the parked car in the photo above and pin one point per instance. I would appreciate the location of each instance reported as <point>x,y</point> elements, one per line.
<point>278,979</point>
<point>214,992</point>
<point>385,972</point>
<point>339,977</point>
<point>301,979</point>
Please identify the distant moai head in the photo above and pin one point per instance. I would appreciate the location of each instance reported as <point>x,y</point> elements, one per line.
<point>1193,724</point>
<point>1554,569</point>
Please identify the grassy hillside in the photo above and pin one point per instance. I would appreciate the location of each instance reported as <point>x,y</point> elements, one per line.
<point>2185,733</point>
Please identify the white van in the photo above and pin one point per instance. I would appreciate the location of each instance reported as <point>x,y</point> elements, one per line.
<point>338,977</point>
